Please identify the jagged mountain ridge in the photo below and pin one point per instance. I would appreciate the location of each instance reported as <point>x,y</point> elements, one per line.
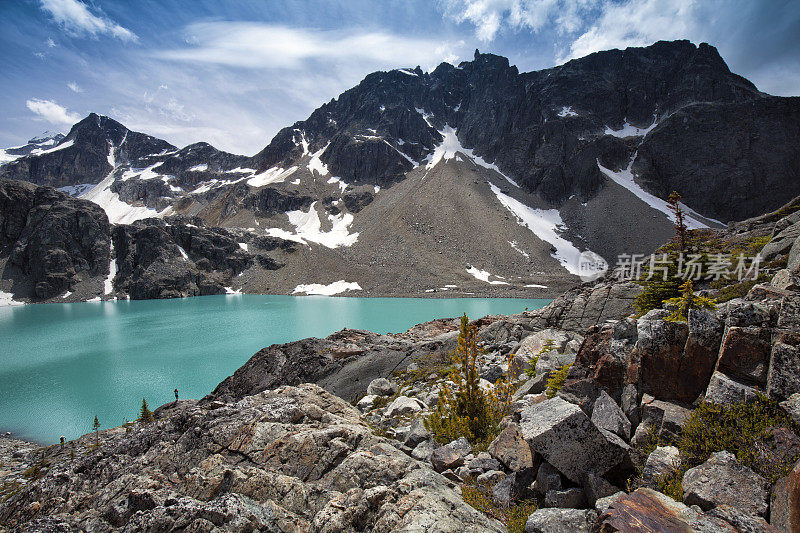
<point>537,167</point>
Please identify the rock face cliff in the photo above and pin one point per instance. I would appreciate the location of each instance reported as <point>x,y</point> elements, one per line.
<point>538,167</point>
<point>54,247</point>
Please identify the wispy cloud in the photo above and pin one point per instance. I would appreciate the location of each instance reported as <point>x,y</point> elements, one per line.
<point>52,112</point>
<point>50,43</point>
<point>74,87</point>
<point>638,23</point>
<point>259,45</point>
<point>490,16</point>
<point>77,19</point>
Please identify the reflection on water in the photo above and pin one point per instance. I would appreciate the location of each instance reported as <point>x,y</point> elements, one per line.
<point>60,364</point>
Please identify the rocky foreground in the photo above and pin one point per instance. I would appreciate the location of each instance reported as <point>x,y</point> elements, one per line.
<point>267,451</point>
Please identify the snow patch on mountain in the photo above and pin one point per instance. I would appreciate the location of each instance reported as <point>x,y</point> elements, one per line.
<point>199,168</point>
<point>146,173</point>
<point>407,71</point>
<point>545,224</point>
<point>39,151</point>
<point>483,275</point>
<point>316,164</point>
<point>625,178</point>
<point>629,130</point>
<point>308,228</point>
<point>567,112</point>
<point>271,175</point>
<point>447,149</point>
<point>415,163</point>
<point>6,157</point>
<point>118,211</point>
<point>7,299</point>
<point>327,290</point>
<point>342,184</point>
<point>516,247</point>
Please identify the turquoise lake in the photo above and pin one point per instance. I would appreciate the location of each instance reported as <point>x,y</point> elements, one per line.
<point>62,364</point>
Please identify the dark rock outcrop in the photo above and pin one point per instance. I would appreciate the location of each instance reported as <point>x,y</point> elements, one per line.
<point>85,154</point>
<point>54,240</point>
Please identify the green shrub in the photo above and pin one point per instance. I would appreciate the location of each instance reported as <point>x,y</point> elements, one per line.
<point>557,380</point>
<point>738,429</point>
<point>466,410</point>
<point>512,516</point>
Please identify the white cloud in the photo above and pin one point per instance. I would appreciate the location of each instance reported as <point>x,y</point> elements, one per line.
<point>489,16</point>
<point>638,23</point>
<point>74,87</point>
<point>257,45</point>
<point>76,18</point>
<point>52,112</point>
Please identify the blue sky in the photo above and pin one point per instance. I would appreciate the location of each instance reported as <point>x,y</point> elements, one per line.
<point>233,73</point>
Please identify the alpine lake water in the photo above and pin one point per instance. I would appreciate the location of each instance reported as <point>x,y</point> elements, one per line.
<point>62,364</point>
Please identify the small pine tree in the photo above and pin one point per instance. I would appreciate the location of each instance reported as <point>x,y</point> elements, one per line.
<point>686,301</point>
<point>145,414</point>
<point>466,410</point>
<point>674,201</point>
<point>96,428</point>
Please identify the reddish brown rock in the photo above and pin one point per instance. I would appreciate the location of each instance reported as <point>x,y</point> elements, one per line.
<point>785,502</point>
<point>646,510</point>
<point>511,449</point>
<point>673,361</point>
<point>598,361</point>
<point>745,353</point>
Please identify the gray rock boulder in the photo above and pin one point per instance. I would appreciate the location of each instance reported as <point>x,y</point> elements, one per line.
<point>665,418</point>
<point>403,405</point>
<point>417,433</point>
<point>562,433</point>
<point>515,486</point>
<point>723,481</point>
<point>571,498</point>
<point>548,479</point>
<point>446,458</point>
<point>381,387</point>
<point>724,390</point>
<point>742,522</point>
<point>661,462</point>
<point>607,415</point>
<point>783,379</point>
<point>511,449</point>
<point>554,520</point>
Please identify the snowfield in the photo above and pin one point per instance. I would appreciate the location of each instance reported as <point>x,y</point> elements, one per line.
<point>484,276</point>
<point>625,178</point>
<point>448,148</point>
<point>327,290</point>
<point>118,211</point>
<point>308,228</point>
<point>629,130</point>
<point>271,175</point>
<point>7,299</point>
<point>544,223</point>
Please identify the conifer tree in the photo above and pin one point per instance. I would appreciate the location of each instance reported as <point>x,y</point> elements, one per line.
<point>145,414</point>
<point>465,410</point>
<point>674,201</point>
<point>96,428</point>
